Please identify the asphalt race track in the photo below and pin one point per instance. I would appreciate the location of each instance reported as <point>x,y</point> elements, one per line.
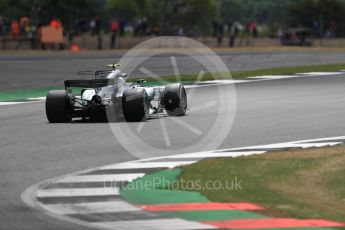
<point>31,150</point>
<point>28,71</point>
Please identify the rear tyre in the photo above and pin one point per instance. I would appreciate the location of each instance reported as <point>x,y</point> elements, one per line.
<point>175,99</point>
<point>58,107</point>
<point>135,105</point>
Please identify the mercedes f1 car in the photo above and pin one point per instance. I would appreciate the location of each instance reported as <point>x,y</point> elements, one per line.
<point>109,91</point>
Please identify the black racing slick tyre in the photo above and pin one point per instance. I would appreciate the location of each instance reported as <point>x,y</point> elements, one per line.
<point>58,107</point>
<point>135,105</point>
<point>175,99</point>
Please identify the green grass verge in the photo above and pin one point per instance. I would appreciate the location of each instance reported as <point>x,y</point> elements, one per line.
<point>25,93</point>
<point>298,183</point>
<point>289,70</point>
<point>259,72</point>
<point>214,215</point>
<point>16,95</point>
<point>186,78</point>
<point>150,190</point>
<point>156,189</point>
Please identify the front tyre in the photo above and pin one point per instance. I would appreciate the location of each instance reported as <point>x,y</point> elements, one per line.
<point>175,99</point>
<point>58,107</point>
<point>135,105</point>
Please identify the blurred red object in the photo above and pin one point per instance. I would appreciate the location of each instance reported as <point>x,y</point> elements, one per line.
<point>15,29</point>
<point>55,23</point>
<point>74,48</point>
<point>114,25</point>
<point>51,35</point>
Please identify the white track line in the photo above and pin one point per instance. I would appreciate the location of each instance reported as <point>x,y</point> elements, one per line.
<point>291,145</point>
<point>37,98</point>
<point>214,154</point>
<point>225,81</point>
<point>100,178</point>
<point>274,77</point>
<point>12,103</point>
<point>162,224</point>
<point>139,165</point>
<point>320,73</point>
<point>93,207</point>
<point>322,139</point>
<point>77,192</point>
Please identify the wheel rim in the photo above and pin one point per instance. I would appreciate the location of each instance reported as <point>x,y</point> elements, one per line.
<point>146,106</point>
<point>183,99</point>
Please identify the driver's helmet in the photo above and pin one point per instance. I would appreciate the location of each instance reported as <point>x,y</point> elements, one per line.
<point>114,74</point>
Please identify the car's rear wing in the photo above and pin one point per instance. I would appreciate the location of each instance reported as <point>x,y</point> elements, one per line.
<point>94,83</point>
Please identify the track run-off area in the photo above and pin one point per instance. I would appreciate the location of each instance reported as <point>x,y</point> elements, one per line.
<point>131,194</point>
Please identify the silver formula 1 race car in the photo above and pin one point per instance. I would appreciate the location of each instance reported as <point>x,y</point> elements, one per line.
<point>109,93</point>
